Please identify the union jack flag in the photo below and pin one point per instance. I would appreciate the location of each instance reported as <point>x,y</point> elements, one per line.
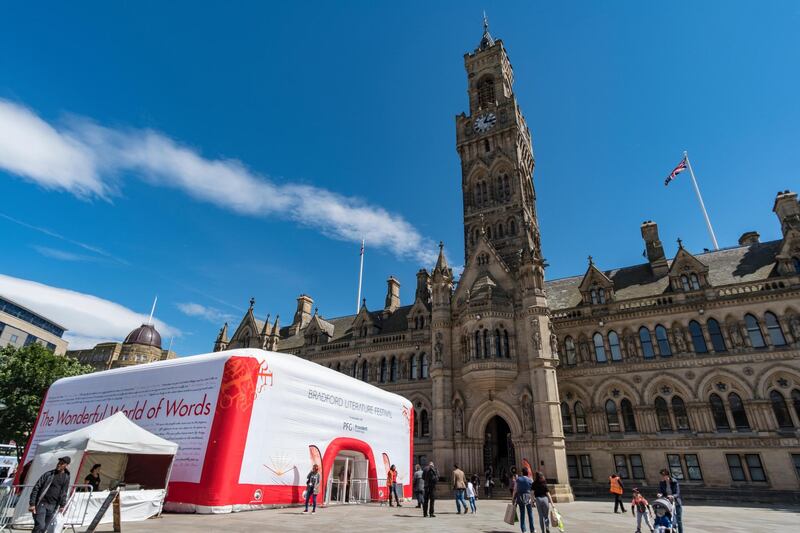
<point>677,170</point>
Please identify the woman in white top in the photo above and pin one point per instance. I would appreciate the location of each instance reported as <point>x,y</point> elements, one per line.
<point>471,496</point>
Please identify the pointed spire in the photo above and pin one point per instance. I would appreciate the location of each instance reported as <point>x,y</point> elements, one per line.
<point>223,333</point>
<point>486,40</point>
<point>441,262</point>
<point>265,329</point>
<point>276,328</point>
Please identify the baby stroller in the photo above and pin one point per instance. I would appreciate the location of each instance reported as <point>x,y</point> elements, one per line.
<point>664,511</point>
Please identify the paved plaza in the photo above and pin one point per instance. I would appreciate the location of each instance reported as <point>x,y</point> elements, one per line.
<point>583,516</point>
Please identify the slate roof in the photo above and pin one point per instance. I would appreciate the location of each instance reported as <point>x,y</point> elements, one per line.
<point>729,266</point>
<point>396,322</point>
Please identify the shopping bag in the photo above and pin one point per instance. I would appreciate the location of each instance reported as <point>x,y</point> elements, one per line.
<point>57,523</point>
<point>556,520</point>
<point>511,514</point>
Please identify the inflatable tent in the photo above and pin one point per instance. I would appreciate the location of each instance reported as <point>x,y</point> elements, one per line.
<point>127,453</point>
<point>249,424</point>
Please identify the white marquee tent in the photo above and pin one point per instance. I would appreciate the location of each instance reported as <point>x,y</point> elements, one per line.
<point>128,454</point>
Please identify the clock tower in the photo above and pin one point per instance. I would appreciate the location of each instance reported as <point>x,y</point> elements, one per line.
<point>494,144</point>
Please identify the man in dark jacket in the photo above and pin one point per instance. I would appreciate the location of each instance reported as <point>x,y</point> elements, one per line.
<point>669,486</point>
<point>430,476</point>
<point>49,494</point>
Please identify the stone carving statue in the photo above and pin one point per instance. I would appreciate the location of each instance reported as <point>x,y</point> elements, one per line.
<point>526,413</point>
<point>583,351</point>
<point>632,351</point>
<point>438,347</point>
<point>680,340</point>
<point>736,335</point>
<point>458,419</point>
<point>553,344</point>
<point>794,327</point>
<point>536,335</point>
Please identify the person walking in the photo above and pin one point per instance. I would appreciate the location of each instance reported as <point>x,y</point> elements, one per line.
<point>430,476</point>
<point>543,501</point>
<point>419,485</point>
<point>459,488</point>
<point>312,487</point>
<point>488,484</point>
<point>93,478</point>
<point>512,481</point>
<point>669,486</point>
<point>521,497</point>
<point>616,488</point>
<point>49,494</point>
<point>640,508</point>
<point>391,485</point>
<point>471,494</point>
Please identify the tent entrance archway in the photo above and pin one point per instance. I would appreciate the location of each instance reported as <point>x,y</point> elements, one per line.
<point>349,479</point>
<point>498,448</point>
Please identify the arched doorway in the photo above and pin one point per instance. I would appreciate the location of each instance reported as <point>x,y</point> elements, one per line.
<point>498,449</point>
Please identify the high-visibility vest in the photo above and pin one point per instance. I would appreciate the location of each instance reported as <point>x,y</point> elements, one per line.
<point>616,487</point>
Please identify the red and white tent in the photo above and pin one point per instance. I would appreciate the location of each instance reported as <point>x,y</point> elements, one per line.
<point>249,424</point>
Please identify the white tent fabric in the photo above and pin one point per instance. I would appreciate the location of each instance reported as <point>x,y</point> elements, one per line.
<point>109,441</point>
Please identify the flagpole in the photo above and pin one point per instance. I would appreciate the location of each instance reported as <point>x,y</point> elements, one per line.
<point>700,199</point>
<point>360,277</point>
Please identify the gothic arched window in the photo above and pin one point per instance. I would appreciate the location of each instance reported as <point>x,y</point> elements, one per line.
<point>796,401</point>
<point>796,263</point>
<point>593,296</point>
<point>414,367</point>
<point>500,230</point>
<point>365,371</point>
<point>738,412</point>
<point>424,424</point>
<point>498,346</point>
<point>506,345</point>
<point>566,418</point>
<point>354,369</point>
<point>782,415</point>
<point>695,282</point>
<point>612,417</point>
<point>718,413</point>
<point>512,227</point>
<point>383,370</point>
<point>662,415</point>
<point>477,345</point>
<point>393,370</point>
<point>717,340</point>
<point>338,366</point>
<point>423,366</point>
<point>628,418</point>
<point>663,341</point>
<point>685,283</point>
<point>774,329</point>
<point>647,343</point>
<point>487,351</point>
<point>569,346</point>
<point>698,341</point>
<point>599,348</point>
<point>754,331</point>
<point>679,411</point>
<point>580,418</point>
<point>486,92</point>
<point>478,196</point>
<point>613,344</point>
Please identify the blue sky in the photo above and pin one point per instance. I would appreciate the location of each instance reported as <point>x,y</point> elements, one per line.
<point>210,152</point>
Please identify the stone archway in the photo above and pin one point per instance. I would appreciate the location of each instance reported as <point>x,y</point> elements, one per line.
<point>498,447</point>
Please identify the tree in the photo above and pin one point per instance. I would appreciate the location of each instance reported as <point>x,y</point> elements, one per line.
<point>25,375</point>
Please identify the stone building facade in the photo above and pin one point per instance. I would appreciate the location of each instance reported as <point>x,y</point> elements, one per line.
<point>142,345</point>
<point>689,363</point>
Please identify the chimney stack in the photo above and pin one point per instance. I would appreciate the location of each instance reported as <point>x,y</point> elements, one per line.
<point>749,237</point>
<point>788,211</point>
<point>655,250</point>
<point>302,316</point>
<point>423,286</point>
<point>392,295</point>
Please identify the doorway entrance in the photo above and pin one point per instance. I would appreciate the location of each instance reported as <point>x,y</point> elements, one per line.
<point>498,449</point>
<point>348,481</point>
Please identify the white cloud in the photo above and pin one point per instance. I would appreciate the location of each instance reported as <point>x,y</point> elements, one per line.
<point>84,158</point>
<point>211,314</point>
<point>88,318</point>
<point>62,255</point>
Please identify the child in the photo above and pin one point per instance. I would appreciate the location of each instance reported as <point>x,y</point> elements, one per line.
<point>471,496</point>
<point>640,508</point>
<point>663,520</point>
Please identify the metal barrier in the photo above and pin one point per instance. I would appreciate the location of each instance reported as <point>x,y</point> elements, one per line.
<point>73,515</point>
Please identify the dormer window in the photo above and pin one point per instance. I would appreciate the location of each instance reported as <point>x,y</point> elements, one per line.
<point>690,282</point>
<point>598,296</point>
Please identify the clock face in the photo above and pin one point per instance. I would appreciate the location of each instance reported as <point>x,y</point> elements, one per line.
<point>484,122</point>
